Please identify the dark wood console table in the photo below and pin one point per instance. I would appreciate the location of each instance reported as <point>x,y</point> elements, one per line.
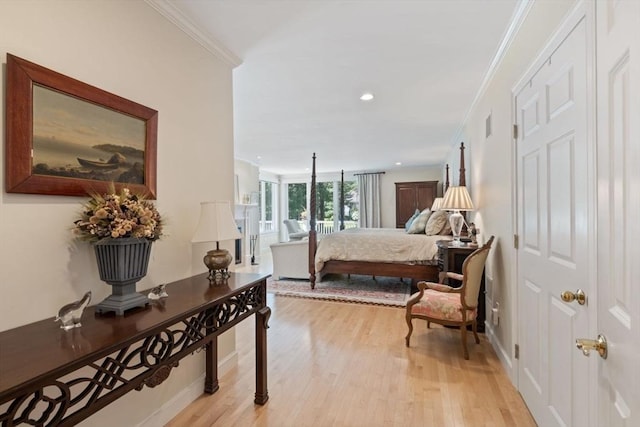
<point>51,377</point>
<point>450,258</point>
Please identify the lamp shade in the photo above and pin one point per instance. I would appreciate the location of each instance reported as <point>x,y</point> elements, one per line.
<point>457,199</point>
<point>437,204</point>
<point>216,223</point>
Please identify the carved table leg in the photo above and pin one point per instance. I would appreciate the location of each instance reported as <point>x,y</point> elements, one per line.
<point>262,323</point>
<point>211,361</point>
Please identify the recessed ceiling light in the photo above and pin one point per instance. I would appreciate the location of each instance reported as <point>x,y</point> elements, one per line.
<point>367,96</point>
<point>258,157</point>
<point>398,163</point>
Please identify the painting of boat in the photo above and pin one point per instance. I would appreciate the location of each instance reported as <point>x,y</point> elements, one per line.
<point>96,165</point>
<point>114,162</point>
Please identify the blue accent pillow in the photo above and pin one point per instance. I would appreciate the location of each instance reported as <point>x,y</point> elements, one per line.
<point>418,224</point>
<point>410,220</point>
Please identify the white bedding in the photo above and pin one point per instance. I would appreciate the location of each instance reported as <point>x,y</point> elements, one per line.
<point>377,245</point>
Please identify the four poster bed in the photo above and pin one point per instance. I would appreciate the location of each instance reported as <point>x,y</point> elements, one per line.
<point>375,252</point>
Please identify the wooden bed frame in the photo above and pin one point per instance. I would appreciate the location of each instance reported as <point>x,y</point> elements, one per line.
<point>415,272</point>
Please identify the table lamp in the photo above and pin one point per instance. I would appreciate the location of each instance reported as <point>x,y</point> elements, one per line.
<point>437,203</point>
<point>457,199</point>
<point>216,224</point>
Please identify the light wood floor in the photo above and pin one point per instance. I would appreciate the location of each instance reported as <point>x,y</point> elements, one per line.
<point>337,364</point>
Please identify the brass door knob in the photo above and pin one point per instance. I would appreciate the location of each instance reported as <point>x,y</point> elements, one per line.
<point>579,295</point>
<point>600,345</point>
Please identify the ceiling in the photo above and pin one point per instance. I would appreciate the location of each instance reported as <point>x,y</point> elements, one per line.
<point>305,63</point>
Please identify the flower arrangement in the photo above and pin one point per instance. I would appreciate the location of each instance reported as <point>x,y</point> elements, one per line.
<point>118,216</point>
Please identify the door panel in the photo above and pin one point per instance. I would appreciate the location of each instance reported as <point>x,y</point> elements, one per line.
<point>531,360</point>
<point>553,196</point>
<point>531,208</point>
<point>618,112</point>
<point>562,227</point>
<point>425,195</point>
<point>564,318</point>
<point>405,204</point>
<point>560,92</point>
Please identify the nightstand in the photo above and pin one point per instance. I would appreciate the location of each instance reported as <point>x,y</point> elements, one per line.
<point>450,258</point>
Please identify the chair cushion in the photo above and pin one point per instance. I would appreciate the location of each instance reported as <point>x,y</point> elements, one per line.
<point>292,226</point>
<point>418,224</point>
<point>299,236</point>
<point>441,305</point>
<point>436,223</point>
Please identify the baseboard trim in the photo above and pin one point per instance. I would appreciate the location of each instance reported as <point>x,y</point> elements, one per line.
<point>501,352</point>
<point>172,407</point>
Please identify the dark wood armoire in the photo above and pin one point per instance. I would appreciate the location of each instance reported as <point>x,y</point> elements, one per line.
<point>411,196</point>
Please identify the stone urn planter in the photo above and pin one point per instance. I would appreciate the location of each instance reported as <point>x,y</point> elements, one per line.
<point>121,263</point>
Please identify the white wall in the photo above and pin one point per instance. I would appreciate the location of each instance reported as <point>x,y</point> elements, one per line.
<point>490,167</point>
<point>388,188</point>
<point>248,178</point>
<point>129,49</point>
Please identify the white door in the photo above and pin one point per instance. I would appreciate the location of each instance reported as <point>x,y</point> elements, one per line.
<point>552,155</point>
<point>618,80</point>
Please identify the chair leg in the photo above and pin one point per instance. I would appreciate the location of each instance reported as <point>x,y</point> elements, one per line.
<point>475,331</point>
<point>428,325</point>
<point>410,325</point>
<point>463,333</point>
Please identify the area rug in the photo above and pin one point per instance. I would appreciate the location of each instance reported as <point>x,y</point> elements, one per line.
<point>354,289</point>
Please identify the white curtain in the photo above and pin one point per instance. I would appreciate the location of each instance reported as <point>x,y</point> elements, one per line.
<point>369,189</point>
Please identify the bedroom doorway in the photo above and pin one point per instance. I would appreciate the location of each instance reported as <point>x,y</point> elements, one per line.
<point>555,199</point>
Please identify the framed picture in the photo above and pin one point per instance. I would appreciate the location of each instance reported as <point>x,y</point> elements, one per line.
<point>68,138</point>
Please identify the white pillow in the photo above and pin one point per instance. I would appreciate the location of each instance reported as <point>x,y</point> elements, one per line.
<point>436,223</point>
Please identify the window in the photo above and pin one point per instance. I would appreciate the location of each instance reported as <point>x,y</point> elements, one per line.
<point>297,201</point>
<point>351,204</point>
<point>324,207</point>
<point>268,203</point>
<point>327,204</point>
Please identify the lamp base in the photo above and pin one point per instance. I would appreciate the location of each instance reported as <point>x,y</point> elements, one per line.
<point>219,277</point>
<point>456,220</point>
<point>217,261</point>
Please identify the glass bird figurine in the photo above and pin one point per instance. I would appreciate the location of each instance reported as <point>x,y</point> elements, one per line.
<point>70,314</point>
<point>158,292</point>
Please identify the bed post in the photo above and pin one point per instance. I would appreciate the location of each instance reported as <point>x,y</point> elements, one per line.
<point>342,199</point>
<point>312,226</point>
<point>446,182</point>
<point>462,182</point>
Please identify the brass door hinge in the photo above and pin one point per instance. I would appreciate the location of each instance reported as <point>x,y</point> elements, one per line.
<point>517,351</point>
<point>516,241</point>
<point>515,131</point>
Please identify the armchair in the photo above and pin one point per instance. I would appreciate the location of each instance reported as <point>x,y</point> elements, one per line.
<point>294,230</point>
<point>446,305</point>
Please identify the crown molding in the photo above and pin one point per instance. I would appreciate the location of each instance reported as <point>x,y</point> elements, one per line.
<point>518,18</point>
<point>175,16</point>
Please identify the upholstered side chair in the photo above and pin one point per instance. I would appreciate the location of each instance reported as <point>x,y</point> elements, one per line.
<point>294,230</point>
<point>446,305</point>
